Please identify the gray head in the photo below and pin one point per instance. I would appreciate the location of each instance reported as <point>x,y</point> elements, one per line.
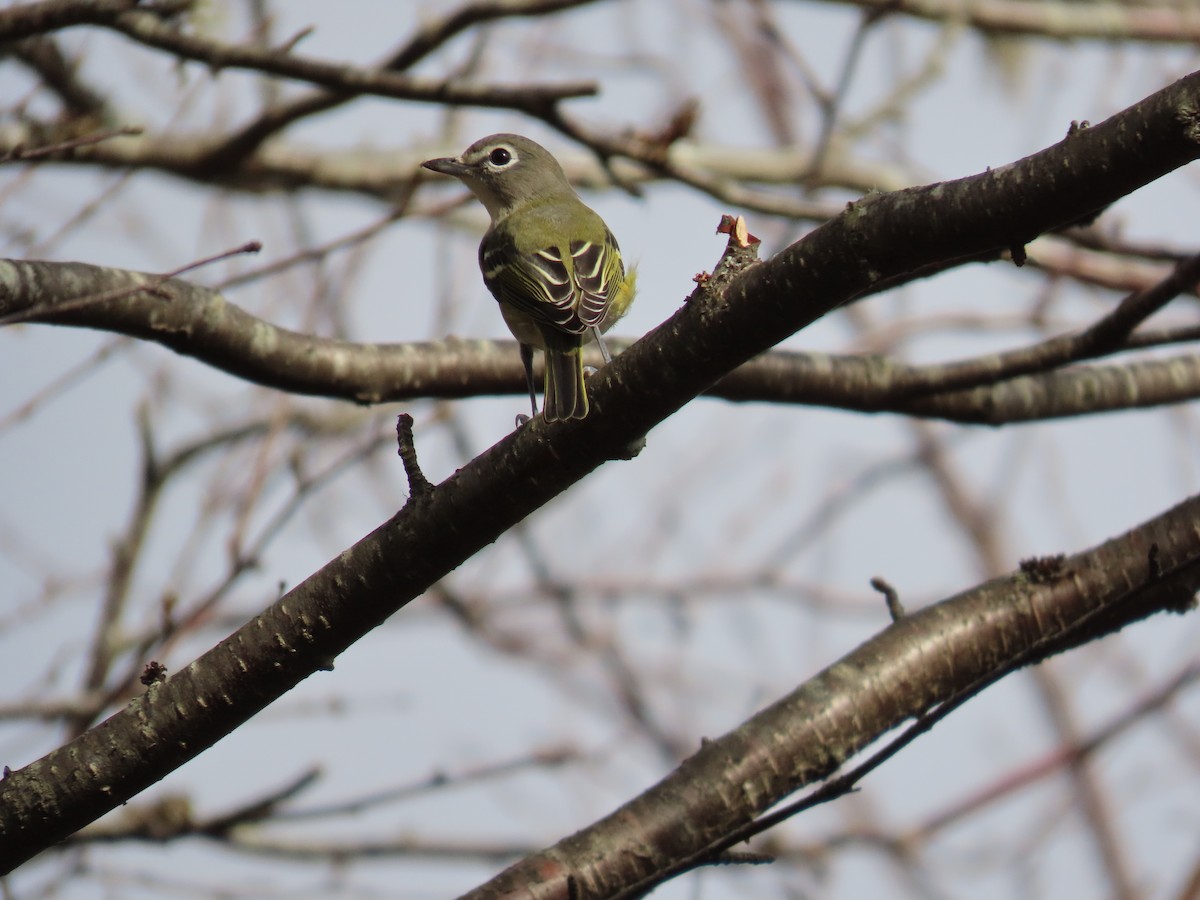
<point>504,171</point>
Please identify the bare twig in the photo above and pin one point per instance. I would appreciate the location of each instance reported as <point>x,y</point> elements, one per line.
<point>418,485</point>
<point>33,154</point>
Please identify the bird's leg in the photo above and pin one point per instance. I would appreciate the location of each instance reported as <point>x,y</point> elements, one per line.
<point>603,348</point>
<point>591,370</point>
<point>527,362</point>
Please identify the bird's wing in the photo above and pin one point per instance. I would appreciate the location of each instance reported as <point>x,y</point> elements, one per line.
<point>565,286</point>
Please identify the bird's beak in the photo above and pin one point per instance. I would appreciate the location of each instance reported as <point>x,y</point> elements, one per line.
<point>446,165</point>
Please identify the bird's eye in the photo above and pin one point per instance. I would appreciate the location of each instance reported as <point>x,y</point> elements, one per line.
<point>500,157</point>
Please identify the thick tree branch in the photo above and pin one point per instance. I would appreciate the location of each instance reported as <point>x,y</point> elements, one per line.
<point>201,323</point>
<point>924,660</point>
<point>1018,386</point>
<point>28,19</point>
<point>724,323</point>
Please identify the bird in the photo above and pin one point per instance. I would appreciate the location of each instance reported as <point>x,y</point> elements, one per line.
<point>552,264</point>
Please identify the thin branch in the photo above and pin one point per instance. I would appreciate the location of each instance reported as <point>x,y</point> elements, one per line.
<point>831,105</point>
<point>43,55</point>
<point>430,35</point>
<point>149,29</point>
<point>28,154</point>
<point>1153,22</point>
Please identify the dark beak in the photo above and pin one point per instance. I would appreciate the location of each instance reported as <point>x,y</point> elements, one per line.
<point>446,166</point>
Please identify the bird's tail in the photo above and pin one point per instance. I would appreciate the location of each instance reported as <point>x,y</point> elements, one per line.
<point>566,395</point>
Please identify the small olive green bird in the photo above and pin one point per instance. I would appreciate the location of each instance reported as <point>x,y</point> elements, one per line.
<point>549,260</point>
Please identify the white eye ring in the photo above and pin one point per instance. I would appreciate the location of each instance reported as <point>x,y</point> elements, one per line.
<point>500,157</point>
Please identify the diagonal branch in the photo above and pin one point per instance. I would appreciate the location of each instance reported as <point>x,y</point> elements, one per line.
<point>724,323</point>
<point>918,669</point>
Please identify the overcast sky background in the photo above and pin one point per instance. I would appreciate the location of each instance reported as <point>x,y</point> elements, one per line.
<point>721,488</point>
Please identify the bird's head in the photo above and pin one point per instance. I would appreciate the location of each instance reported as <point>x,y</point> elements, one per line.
<point>505,171</point>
